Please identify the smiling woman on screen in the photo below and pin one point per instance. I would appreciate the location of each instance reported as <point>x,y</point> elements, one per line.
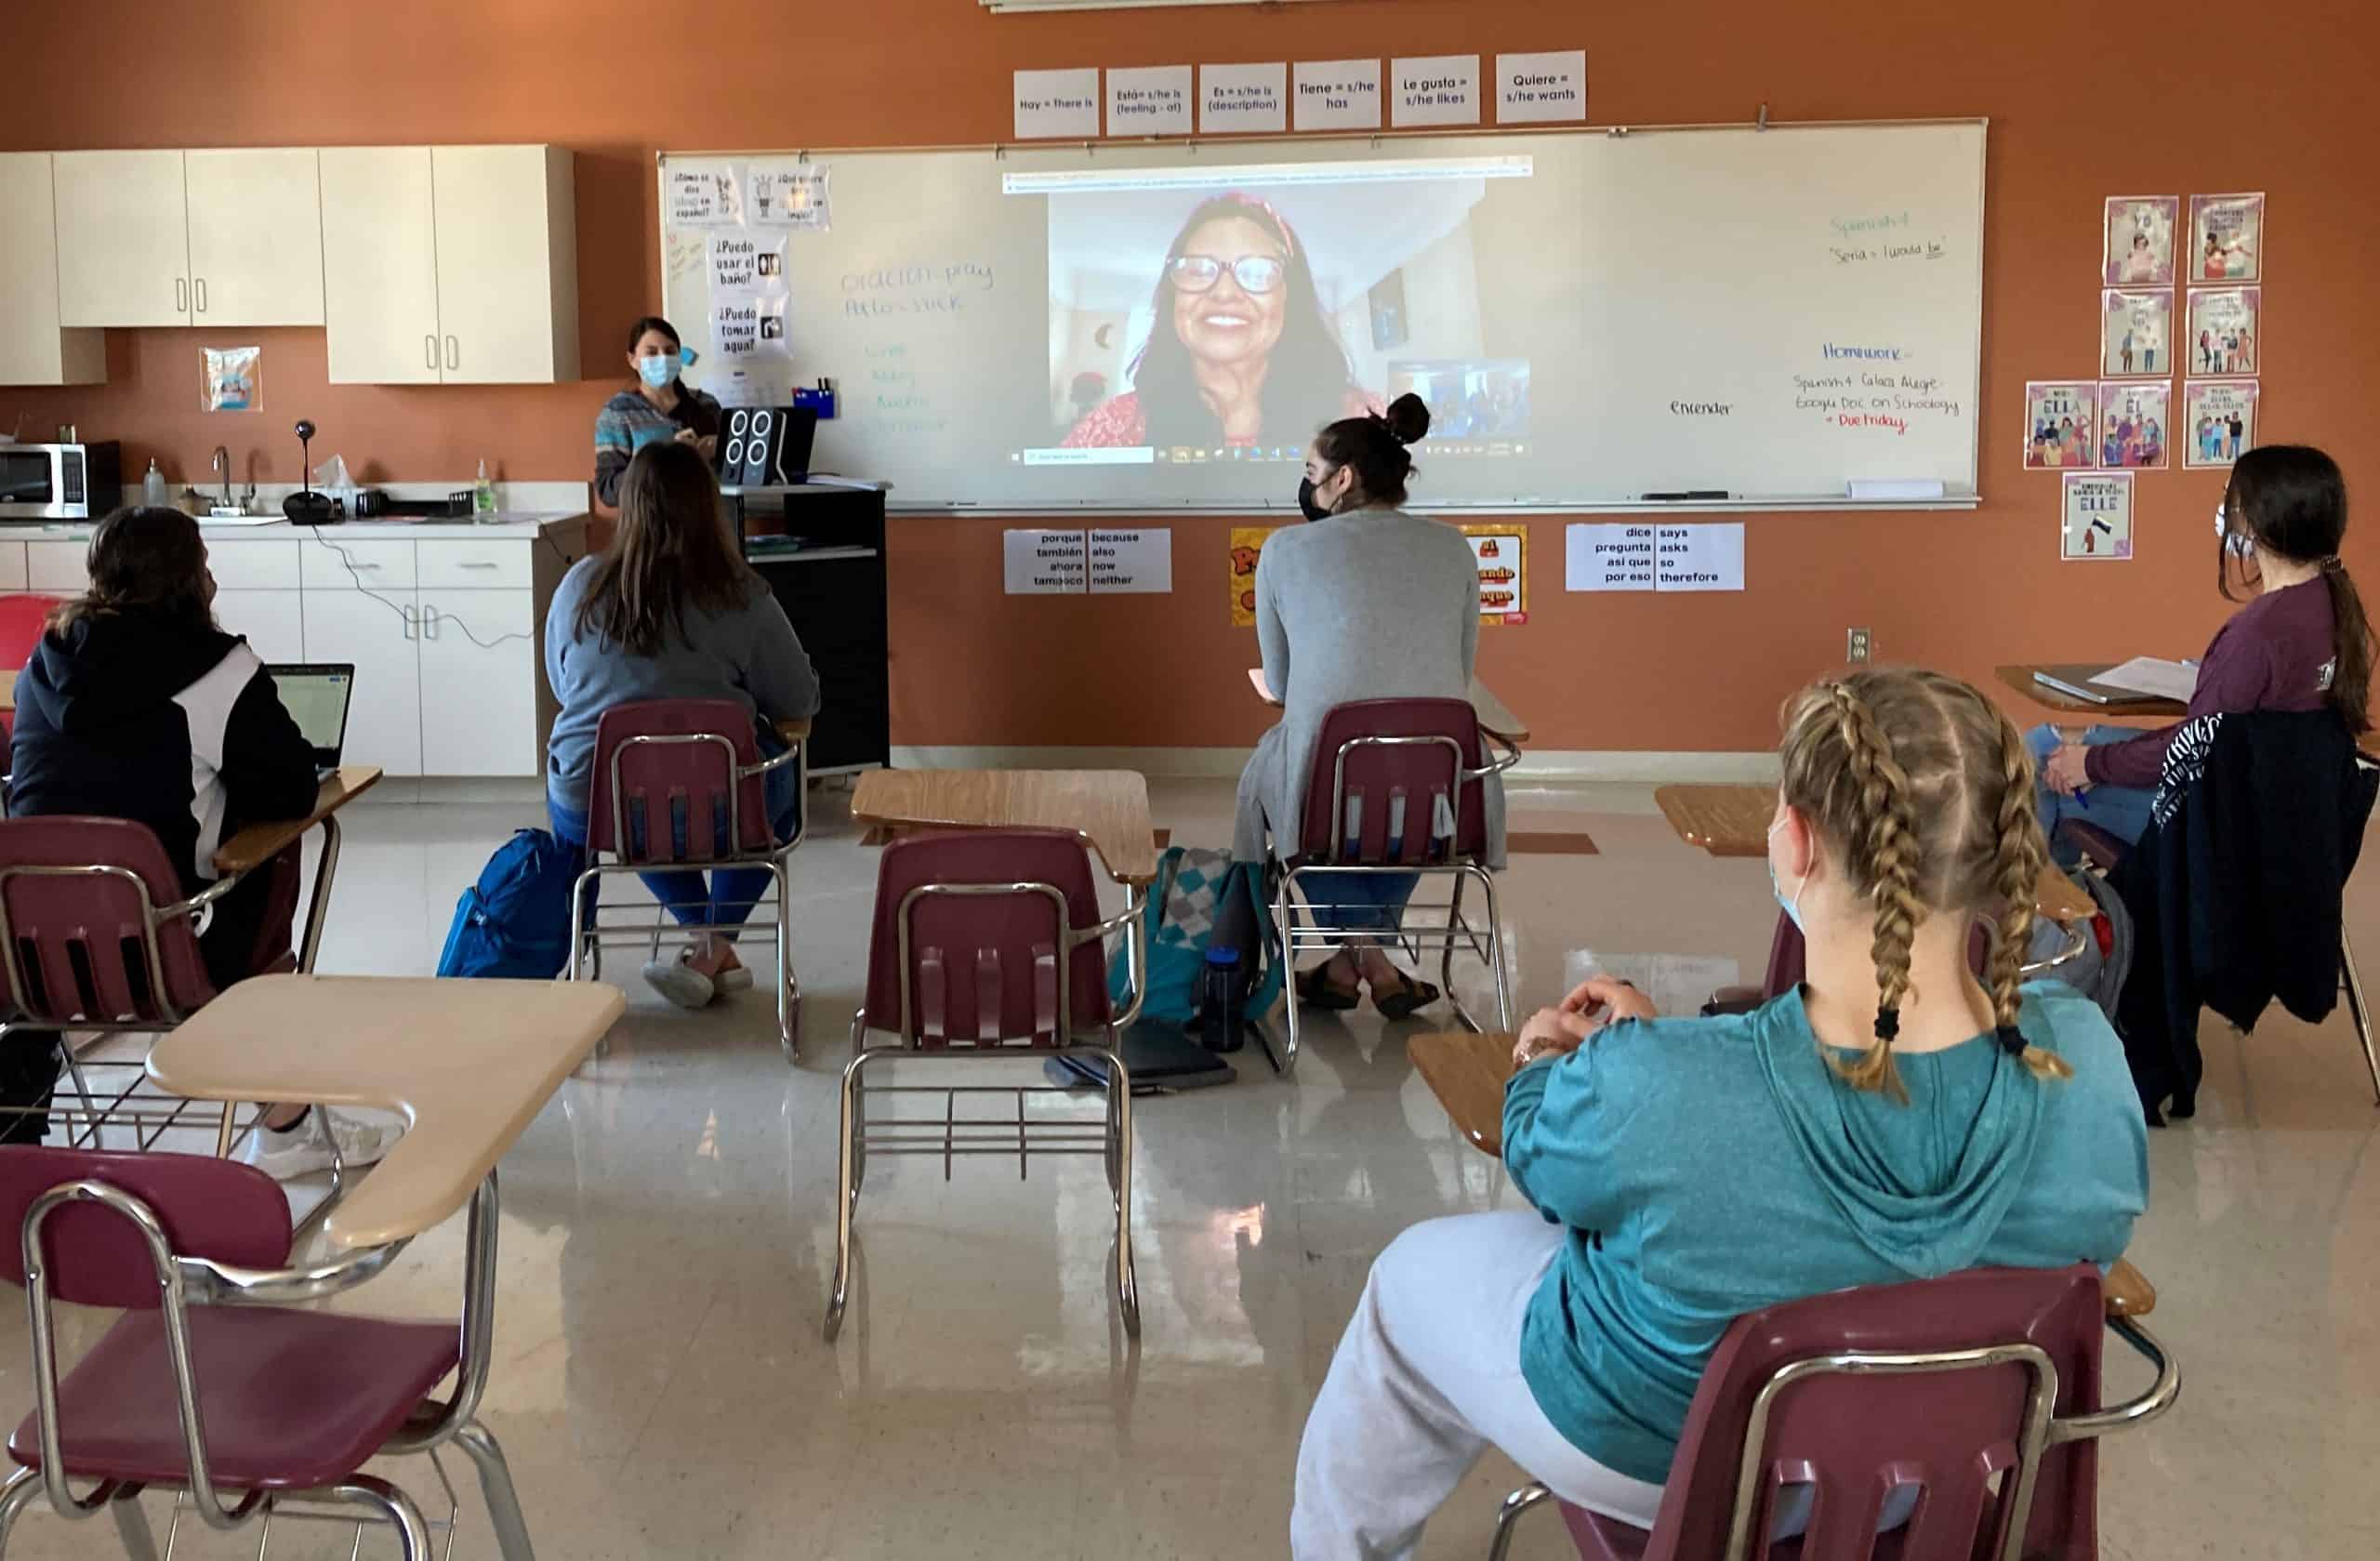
<point>1239,343</point>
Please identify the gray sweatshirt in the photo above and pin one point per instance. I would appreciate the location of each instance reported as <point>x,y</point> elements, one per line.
<point>749,655</point>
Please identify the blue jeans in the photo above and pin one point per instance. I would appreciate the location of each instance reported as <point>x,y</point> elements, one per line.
<point>1357,901</point>
<point>2122,810</point>
<point>726,902</point>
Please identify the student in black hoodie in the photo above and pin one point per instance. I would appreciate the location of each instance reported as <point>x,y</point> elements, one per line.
<point>136,705</point>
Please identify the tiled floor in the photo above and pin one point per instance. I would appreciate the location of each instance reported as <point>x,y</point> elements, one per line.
<point>663,1391</point>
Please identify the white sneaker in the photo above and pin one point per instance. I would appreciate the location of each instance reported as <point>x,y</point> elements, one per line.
<point>679,982</point>
<point>283,1154</point>
<point>734,978</point>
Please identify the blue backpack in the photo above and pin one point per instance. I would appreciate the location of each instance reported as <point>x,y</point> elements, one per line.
<point>1203,899</point>
<point>515,921</point>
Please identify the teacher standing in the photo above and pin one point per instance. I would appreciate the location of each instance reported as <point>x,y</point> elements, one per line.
<point>659,407</point>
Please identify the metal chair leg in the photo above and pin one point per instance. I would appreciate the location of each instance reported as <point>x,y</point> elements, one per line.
<point>1509,1513</point>
<point>394,1506</point>
<point>23,1490</point>
<point>1284,913</point>
<point>788,986</point>
<point>2360,1010</point>
<point>1128,1286</point>
<point>846,1198</point>
<point>1496,954</point>
<point>132,1527</point>
<point>496,1483</point>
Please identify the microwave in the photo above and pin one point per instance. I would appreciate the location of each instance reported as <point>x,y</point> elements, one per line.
<point>60,482</point>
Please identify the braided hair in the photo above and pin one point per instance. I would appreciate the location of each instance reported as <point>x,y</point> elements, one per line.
<point>1924,790</point>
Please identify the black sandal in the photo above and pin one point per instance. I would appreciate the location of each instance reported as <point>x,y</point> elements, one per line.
<point>1410,997</point>
<point>1316,992</point>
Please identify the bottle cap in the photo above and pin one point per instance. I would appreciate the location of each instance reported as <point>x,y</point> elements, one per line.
<point>1217,954</point>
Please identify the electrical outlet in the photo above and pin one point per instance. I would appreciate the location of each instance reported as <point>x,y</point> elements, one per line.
<point>1857,646</point>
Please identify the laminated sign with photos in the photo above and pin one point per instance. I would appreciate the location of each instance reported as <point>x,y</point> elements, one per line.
<point>2140,240</point>
<point>2132,423</point>
<point>2060,424</point>
<point>2226,238</point>
<point>2095,516</point>
<point>2223,329</point>
<point>2137,335</point>
<point>2218,421</point>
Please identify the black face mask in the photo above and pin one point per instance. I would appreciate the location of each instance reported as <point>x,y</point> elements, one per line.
<point>1308,504</point>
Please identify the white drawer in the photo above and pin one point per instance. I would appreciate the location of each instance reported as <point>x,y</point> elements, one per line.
<point>57,567</point>
<point>492,565</point>
<point>252,565</point>
<point>335,562</point>
<point>12,566</point>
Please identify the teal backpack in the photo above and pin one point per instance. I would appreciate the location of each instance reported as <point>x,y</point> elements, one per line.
<point>1203,899</point>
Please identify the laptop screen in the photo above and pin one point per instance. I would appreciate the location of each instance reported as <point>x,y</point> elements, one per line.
<point>316,698</point>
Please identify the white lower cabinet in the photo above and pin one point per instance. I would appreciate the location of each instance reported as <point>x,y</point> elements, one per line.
<point>272,622</point>
<point>479,684</point>
<point>377,632</point>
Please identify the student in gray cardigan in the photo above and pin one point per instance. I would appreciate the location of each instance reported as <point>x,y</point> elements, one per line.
<point>1369,603</point>
<point>669,612</point>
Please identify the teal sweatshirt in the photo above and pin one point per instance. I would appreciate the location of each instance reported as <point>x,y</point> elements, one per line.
<point>1710,1166</point>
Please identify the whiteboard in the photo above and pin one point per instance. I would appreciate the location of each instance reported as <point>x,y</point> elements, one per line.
<point>1595,317</point>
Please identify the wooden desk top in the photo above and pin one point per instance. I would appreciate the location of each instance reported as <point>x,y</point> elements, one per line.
<point>1468,1073</point>
<point>1493,717</point>
<point>1109,809</point>
<point>2147,707</point>
<point>260,843</point>
<point>1733,821</point>
<point>468,1062</point>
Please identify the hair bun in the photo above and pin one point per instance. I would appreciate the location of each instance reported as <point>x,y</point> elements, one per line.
<point>1407,418</point>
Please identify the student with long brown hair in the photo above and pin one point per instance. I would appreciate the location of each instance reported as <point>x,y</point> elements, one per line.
<point>671,611</point>
<point>2301,643</point>
<point>1894,1118</point>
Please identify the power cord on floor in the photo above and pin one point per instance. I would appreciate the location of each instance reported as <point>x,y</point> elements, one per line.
<point>408,614</point>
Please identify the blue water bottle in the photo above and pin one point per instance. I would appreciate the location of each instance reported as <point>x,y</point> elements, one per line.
<point>1219,1010</point>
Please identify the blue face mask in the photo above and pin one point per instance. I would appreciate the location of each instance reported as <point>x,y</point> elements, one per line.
<point>657,371</point>
<point>1792,907</point>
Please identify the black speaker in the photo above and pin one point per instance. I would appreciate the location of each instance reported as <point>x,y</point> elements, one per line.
<point>766,447</point>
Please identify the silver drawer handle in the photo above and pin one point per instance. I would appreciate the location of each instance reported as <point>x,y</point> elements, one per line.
<point>468,565</point>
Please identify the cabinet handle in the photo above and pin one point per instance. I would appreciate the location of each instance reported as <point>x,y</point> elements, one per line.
<point>405,611</point>
<point>429,623</point>
<point>198,290</point>
<point>483,566</point>
<point>454,353</point>
<point>429,351</point>
<point>181,296</point>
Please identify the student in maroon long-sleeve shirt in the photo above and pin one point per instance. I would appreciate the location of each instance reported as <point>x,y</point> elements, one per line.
<point>2301,644</point>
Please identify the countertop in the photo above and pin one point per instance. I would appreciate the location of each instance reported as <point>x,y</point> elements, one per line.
<point>513,522</point>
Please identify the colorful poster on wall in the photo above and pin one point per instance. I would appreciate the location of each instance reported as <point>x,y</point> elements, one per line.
<point>1501,553</point>
<point>2095,516</point>
<point>2218,421</point>
<point>2060,424</point>
<point>2136,334</point>
<point>1247,542</point>
<point>2132,424</point>
<point>704,198</point>
<point>2139,250</point>
<point>2226,239</point>
<point>2223,331</point>
<point>746,265</point>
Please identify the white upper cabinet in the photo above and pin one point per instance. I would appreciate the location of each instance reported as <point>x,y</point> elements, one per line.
<point>255,237</point>
<point>452,265</point>
<point>34,349</point>
<point>122,239</point>
<point>380,265</point>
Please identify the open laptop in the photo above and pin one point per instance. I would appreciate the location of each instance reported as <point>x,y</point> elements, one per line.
<point>317,695</point>
<point>2079,681</point>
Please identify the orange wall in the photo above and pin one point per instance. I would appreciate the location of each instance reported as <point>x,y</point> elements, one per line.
<point>2115,102</point>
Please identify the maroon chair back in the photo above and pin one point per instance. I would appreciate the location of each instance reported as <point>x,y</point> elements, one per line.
<point>1852,1438</point>
<point>983,967</point>
<point>22,619</point>
<point>676,789</point>
<point>77,938</point>
<point>1396,796</point>
<point>219,1209</point>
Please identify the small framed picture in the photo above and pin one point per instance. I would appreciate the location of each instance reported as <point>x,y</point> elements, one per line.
<point>2132,425</point>
<point>2095,516</point>
<point>2139,247</point>
<point>2060,424</point>
<point>2136,335</point>
<point>2218,421</point>
<point>2221,338</point>
<point>2226,239</point>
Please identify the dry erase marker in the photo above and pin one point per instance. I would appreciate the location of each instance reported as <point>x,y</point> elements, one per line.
<point>1687,495</point>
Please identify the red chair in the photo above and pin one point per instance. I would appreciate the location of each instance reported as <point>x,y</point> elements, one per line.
<point>96,937</point>
<point>204,1387</point>
<point>22,619</point>
<point>989,945</point>
<point>680,784</point>
<point>1980,1390</point>
<point>1397,786</point>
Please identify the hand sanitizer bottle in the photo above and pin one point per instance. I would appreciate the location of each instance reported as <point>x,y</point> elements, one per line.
<point>152,487</point>
<point>484,495</point>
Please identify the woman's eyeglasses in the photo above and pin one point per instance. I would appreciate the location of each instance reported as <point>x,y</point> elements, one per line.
<point>1199,274</point>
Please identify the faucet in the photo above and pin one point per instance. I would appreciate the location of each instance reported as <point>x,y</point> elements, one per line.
<point>221,465</point>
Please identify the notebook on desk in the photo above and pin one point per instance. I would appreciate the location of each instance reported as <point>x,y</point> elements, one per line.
<point>317,695</point>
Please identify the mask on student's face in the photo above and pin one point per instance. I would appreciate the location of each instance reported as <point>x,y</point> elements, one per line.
<point>2239,543</point>
<point>658,370</point>
<point>1792,907</point>
<point>1310,502</point>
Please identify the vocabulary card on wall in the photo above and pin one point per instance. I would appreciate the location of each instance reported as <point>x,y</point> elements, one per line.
<point>705,198</point>
<point>1043,562</point>
<point>1149,101</point>
<point>1249,98</point>
<point>1060,104</point>
<point>1542,89</point>
<point>1636,556</point>
<point>1702,557</point>
<point>1337,94</point>
<point>1435,89</point>
<point>1132,563</point>
<point>1598,556</point>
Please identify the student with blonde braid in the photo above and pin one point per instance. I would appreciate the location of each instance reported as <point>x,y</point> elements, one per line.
<point>1894,1118</point>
